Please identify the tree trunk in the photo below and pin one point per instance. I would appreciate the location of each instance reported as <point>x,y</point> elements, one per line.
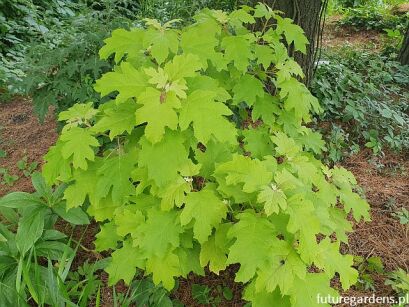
<point>308,14</point>
<point>404,51</point>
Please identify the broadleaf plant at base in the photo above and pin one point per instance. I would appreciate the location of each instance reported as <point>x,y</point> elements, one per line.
<point>179,180</point>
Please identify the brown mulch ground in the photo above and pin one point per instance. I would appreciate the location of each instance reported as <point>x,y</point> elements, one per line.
<point>385,182</point>
<point>335,36</point>
<point>386,185</point>
<point>212,281</point>
<point>22,135</point>
<point>401,9</point>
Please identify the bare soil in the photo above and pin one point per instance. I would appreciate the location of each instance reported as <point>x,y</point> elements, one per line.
<point>22,135</point>
<point>335,36</point>
<point>385,182</point>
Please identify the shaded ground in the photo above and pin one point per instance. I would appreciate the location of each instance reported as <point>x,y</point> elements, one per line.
<point>335,36</point>
<point>212,281</point>
<point>385,183</point>
<point>22,135</point>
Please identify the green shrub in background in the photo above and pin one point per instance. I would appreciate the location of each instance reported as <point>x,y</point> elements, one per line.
<point>373,17</point>
<point>24,21</point>
<point>355,3</point>
<point>70,35</point>
<point>61,70</point>
<point>367,95</point>
<point>392,43</point>
<point>164,10</point>
<point>342,4</point>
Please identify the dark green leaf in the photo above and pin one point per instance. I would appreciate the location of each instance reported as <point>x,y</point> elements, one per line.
<point>52,249</point>
<point>40,185</point>
<point>20,200</point>
<point>30,228</point>
<point>74,215</point>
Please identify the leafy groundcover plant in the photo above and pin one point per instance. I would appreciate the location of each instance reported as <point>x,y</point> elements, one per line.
<point>203,158</point>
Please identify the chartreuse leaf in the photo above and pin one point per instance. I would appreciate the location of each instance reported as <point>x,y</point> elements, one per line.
<point>251,172</point>
<point>266,108</point>
<point>183,66</point>
<point>114,177</point>
<point>189,260</point>
<point>341,225</point>
<point>263,298</point>
<point>237,50</point>
<point>124,262</point>
<point>103,209</point>
<point>273,199</point>
<point>360,208</point>
<point>157,77</point>
<point>175,194</point>
<point>215,249</point>
<point>83,185</point>
<point>264,54</point>
<point>164,269</point>
<point>78,114</point>
<point>308,290</point>
<point>122,42</point>
<point>304,223</point>
<point>208,84</point>
<point>214,153</point>
<point>312,141</point>
<point>242,16</point>
<point>329,258</point>
<point>107,238</point>
<point>159,234</point>
<point>158,111</point>
<point>161,79</point>
<point>198,105</point>
<point>287,69</point>
<point>117,119</point>
<point>251,233</point>
<point>297,97</point>
<point>55,167</point>
<point>127,222</point>
<point>262,10</point>
<point>200,39</point>
<point>206,209</point>
<point>220,16</point>
<point>126,80</point>
<point>257,142</point>
<point>342,178</point>
<point>165,159</point>
<point>293,33</point>
<point>78,144</point>
<point>286,146</point>
<point>282,268</point>
<point>247,89</point>
<point>160,42</point>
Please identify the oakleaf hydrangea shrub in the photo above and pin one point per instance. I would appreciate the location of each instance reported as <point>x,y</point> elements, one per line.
<point>182,184</point>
